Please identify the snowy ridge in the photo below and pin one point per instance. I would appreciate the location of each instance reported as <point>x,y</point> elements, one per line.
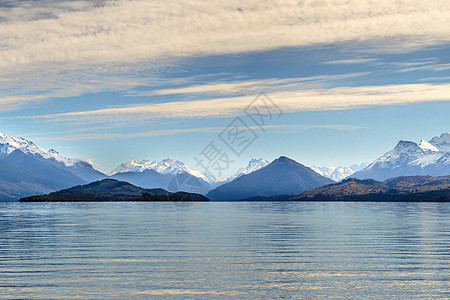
<point>413,154</point>
<point>410,158</point>
<point>166,166</point>
<point>9,143</point>
<point>174,167</point>
<point>335,173</point>
<point>442,142</point>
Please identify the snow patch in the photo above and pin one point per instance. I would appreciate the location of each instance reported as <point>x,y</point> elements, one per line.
<point>424,145</point>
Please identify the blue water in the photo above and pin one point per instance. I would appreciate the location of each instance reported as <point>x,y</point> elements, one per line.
<point>225,250</point>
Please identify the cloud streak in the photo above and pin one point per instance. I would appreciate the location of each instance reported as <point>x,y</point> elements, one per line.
<point>350,61</point>
<point>289,101</point>
<point>432,67</point>
<point>255,86</point>
<point>289,128</point>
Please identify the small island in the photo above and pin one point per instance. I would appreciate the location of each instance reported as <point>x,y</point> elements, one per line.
<point>112,190</point>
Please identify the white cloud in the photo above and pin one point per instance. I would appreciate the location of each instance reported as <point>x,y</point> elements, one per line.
<point>54,49</point>
<point>289,101</point>
<point>20,89</point>
<point>126,31</point>
<point>10,102</point>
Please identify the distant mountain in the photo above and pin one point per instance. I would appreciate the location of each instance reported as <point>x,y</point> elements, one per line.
<point>172,182</point>
<point>167,166</point>
<point>169,174</point>
<point>253,165</point>
<point>283,176</point>
<point>360,166</point>
<point>28,169</point>
<point>113,190</point>
<point>409,159</point>
<point>405,188</point>
<point>339,173</point>
<point>145,179</point>
<point>334,173</point>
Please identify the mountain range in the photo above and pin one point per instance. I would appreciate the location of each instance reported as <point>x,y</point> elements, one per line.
<point>26,170</point>
<point>175,175</point>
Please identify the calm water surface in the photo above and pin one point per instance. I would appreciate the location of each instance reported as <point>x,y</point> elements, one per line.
<point>224,250</point>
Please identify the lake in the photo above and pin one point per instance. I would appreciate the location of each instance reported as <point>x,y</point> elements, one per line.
<point>241,250</point>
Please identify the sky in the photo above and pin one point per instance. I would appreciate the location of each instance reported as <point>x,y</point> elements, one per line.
<point>327,83</point>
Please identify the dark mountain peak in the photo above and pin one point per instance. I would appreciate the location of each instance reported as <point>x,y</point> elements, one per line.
<point>107,185</point>
<point>362,181</point>
<point>108,182</point>
<point>283,176</point>
<point>406,144</point>
<point>285,160</point>
<point>349,179</point>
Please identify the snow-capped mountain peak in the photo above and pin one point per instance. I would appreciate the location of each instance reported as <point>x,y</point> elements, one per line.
<point>406,146</point>
<point>335,173</point>
<point>410,153</point>
<point>253,165</point>
<point>409,158</point>
<point>166,166</point>
<point>404,153</point>
<point>8,144</point>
